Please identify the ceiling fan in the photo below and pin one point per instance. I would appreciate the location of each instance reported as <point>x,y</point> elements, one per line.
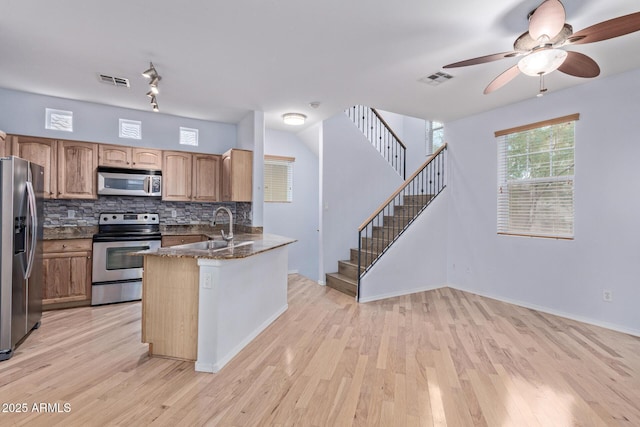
<point>540,46</point>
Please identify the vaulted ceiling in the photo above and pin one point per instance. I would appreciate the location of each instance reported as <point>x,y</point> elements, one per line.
<point>220,59</point>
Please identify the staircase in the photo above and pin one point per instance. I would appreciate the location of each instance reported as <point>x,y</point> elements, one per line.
<point>378,232</point>
<point>346,279</point>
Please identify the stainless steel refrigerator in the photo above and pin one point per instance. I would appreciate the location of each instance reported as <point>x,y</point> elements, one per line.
<point>21,186</point>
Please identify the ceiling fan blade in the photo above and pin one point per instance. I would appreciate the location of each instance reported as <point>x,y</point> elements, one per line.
<point>502,79</point>
<point>483,59</point>
<point>579,65</point>
<point>547,19</point>
<point>607,29</point>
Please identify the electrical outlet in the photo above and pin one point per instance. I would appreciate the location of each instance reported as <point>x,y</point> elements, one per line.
<point>174,213</point>
<point>607,295</point>
<point>71,213</point>
<point>207,281</point>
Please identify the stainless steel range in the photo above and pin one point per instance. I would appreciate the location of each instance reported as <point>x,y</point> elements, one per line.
<point>117,275</point>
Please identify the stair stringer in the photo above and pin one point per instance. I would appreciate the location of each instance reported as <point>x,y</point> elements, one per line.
<point>416,262</point>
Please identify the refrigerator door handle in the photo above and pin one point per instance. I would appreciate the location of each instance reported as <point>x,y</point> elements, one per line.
<point>33,213</point>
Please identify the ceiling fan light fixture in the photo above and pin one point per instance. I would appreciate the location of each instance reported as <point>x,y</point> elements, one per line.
<point>294,119</point>
<point>542,61</point>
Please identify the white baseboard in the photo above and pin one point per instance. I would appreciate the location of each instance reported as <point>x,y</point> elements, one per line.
<point>547,310</point>
<point>215,367</point>
<point>322,282</point>
<point>399,293</point>
<point>292,272</point>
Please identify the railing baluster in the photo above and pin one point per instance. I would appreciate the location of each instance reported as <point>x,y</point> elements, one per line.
<point>376,130</point>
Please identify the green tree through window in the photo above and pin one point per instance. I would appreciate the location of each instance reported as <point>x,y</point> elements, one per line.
<point>536,180</point>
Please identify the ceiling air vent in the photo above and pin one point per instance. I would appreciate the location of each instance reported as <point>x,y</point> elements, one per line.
<point>436,79</point>
<point>115,81</point>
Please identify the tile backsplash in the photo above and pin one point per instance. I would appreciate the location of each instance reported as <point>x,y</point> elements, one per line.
<point>70,213</point>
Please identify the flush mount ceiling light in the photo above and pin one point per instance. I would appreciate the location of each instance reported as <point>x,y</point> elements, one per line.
<point>154,78</point>
<point>294,119</point>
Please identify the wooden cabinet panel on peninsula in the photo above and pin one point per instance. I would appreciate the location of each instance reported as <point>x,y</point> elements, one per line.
<point>66,273</point>
<point>237,176</point>
<point>42,151</point>
<point>191,176</point>
<point>129,157</point>
<point>77,164</point>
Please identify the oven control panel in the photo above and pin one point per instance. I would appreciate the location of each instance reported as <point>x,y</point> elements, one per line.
<point>126,218</point>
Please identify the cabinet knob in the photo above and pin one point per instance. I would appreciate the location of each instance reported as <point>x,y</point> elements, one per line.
<point>64,246</point>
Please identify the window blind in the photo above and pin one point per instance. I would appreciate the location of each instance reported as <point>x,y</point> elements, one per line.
<point>278,179</point>
<point>536,179</point>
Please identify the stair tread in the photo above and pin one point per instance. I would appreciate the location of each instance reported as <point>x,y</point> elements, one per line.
<point>343,277</point>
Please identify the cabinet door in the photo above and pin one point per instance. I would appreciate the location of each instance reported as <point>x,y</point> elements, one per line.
<point>237,176</point>
<point>41,151</point>
<point>66,273</point>
<point>114,155</point>
<point>3,139</point>
<point>226,178</point>
<point>176,176</point>
<point>206,177</point>
<point>146,158</point>
<point>77,164</point>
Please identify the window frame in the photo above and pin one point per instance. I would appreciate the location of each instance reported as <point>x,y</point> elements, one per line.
<point>504,211</point>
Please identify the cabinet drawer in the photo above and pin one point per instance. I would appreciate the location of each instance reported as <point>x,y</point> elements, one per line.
<point>67,245</point>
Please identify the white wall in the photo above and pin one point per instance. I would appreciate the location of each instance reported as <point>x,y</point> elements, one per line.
<point>565,277</point>
<point>23,113</point>
<point>412,132</point>
<point>356,179</point>
<point>251,135</point>
<point>298,219</point>
<point>416,262</point>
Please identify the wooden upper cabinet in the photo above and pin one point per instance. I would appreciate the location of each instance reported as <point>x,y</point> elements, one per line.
<point>237,176</point>
<point>41,151</point>
<point>191,177</point>
<point>176,176</point>
<point>129,157</point>
<point>206,177</point>
<point>117,156</point>
<point>77,164</point>
<point>3,139</point>
<point>146,158</point>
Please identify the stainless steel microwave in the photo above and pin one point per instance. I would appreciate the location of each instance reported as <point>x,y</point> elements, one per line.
<point>129,182</point>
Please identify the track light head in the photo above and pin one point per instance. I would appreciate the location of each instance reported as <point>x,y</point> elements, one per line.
<point>150,72</point>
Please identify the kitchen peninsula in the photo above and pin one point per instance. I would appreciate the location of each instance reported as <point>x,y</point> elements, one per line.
<point>206,301</point>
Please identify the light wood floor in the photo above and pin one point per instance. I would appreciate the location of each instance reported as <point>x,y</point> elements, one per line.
<point>442,357</point>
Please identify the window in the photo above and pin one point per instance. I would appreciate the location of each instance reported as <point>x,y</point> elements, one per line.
<point>278,179</point>
<point>536,179</point>
<point>435,136</point>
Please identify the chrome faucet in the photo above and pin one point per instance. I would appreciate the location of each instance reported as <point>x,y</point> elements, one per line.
<point>226,237</point>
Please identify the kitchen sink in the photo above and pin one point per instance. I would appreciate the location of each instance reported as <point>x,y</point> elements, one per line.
<point>210,245</point>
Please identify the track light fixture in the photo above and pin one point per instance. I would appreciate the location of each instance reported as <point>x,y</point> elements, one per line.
<point>150,72</point>
<point>154,78</point>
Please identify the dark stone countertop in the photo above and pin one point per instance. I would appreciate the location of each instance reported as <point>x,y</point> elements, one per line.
<point>261,243</point>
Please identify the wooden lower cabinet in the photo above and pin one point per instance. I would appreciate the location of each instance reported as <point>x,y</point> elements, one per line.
<point>67,273</point>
